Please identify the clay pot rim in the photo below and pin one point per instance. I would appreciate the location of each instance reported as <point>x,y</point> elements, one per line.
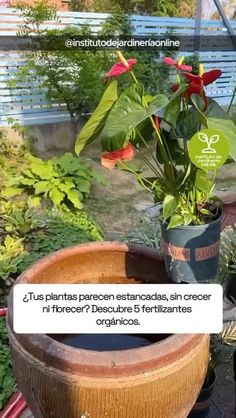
<point>99,363</point>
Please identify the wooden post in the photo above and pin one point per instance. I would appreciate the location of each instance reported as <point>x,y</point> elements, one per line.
<point>198,26</point>
<point>226,21</point>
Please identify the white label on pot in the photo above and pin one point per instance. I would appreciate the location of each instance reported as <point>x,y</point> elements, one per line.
<point>117,308</point>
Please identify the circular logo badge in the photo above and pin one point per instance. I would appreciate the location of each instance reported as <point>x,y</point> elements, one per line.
<point>208,149</point>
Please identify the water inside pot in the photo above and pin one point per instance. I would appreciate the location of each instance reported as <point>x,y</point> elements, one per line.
<point>109,342</point>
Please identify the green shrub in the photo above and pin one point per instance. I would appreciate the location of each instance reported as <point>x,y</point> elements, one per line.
<point>67,76</point>
<point>22,220</point>
<point>11,149</point>
<point>13,157</point>
<point>62,230</point>
<point>150,7</point>
<point>11,254</point>
<point>7,383</point>
<point>147,232</point>
<point>64,181</point>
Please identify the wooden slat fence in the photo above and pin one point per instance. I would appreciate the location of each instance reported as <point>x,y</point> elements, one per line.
<point>28,103</point>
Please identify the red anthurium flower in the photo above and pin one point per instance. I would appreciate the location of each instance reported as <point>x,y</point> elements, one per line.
<point>205,79</point>
<point>157,122</point>
<point>120,68</point>
<point>191,89</point>
<point>198,82</point>
<point>3,311</point>
<point>174,88</point>
<point>177,64</point>
<point>110,159</point>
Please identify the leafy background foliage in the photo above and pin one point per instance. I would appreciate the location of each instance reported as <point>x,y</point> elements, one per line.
<point>11,252</point>
<point>39,230</point>
<point>184,8</point>
<point>28,233</point>
<point>61,230</point>
<point>7,383</point>
<point>75,78</point>
<point>64,181</point>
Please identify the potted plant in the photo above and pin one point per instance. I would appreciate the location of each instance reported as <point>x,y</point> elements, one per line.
<point>203,403</point>
<point>227,270</point>
<point>142,380</point>
<point>129,122</point>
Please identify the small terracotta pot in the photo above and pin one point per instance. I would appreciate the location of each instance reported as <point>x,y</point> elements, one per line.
<point>161,380</point>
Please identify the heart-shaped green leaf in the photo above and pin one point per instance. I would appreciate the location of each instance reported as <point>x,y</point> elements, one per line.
<point>199,104</point>
<point>11,191</point>
<point>56,196</point>
<point>176,220</point>
<point>172,109</point>
<point>170,203</point>
<point>203,182</point>
<point>94,125</point>
<point>127,113</point>
<point>218,119</point>
<point>75,197</point>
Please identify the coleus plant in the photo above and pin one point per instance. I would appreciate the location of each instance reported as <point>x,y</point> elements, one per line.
<point>130,121</point>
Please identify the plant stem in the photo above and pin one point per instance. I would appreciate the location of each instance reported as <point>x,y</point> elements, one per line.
<point>140,179</point>
<point>164,150</point>
<point>186,109</point>
<point>232,100</point>
<point>148,163</point>
<point>166,155</point>
<point>150,153</point>
<point>134,77</point>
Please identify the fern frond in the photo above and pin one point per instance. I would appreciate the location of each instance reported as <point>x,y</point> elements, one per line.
<point>228,335</point>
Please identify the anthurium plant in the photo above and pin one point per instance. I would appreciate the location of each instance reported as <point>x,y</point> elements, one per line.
<point>130,122</point>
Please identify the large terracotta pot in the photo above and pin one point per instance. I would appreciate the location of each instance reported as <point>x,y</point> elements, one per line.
<point>161,380</point>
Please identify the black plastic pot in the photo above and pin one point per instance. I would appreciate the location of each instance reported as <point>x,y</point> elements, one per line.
<point>191,252</point>
<point>202,406</point>
<point>231,287</point>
